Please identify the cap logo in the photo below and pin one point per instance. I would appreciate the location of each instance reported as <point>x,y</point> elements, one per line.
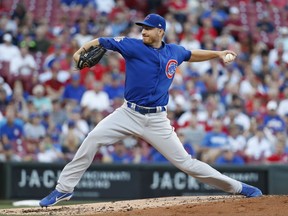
<point>147,17</point>
<point>171,68</point>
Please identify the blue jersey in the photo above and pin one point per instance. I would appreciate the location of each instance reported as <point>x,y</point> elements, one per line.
<point>149,71</point>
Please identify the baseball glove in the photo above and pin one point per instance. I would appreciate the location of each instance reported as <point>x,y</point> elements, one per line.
<point>90,57</point>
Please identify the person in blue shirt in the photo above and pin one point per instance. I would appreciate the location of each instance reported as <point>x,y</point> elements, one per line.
<point>120,154</point>
<point>74,90</point>
<point>150,68</point>
<point>228,157</point>
<point>272,120</point>
<point>115,89</point>
<point>213,142</point>
<point>10,127</point>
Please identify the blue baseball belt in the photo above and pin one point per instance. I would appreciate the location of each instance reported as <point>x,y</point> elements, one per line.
<point>145,110</point>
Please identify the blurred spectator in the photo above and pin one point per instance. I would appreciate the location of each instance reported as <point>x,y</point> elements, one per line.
<point>119,24</point>
<point>236,115</point>
<point>213,143</point>
<point>105,7</point>
<point>265,23</point>
<point>77,3</point>
<point>74,90</point>
<point>96,98</point>
<point>195,83</point>
<point>88,79</point>
<point>71,143</point>
<point>177,100</point>
<point>47,153</point>
<point>3,100</point>
<point>237,141</point>
<point>19,100</point>
<point>57,114</point>
<point>33,129</point>
<point>213,112</point>
<point>179,8</point>
<point>196,110</point>
<point>6,87</point>
<point>79,125</point>
<point>283,105</point>
<point>225,40</point>
<point>141,152</point>
<point>258,147</point>
<point>19,14</point>
<point>193,133</point>
<point>115,88</point>
<point>277,54</point>
<point>257,58</point>
<point>272,120</point>
<point>24,65</point>
<point>283,37</point>
<point>94,118</point>
<point>53,87</point>
<point>279,155</point>
<point>41,39</point>
<point>173,27</point>
<point>250,84</point>
<point>207,31</point>
<point>40,101</point>
<point>119,154</point>
<point>218,15</point>
<point>6,151</point>
<point>233,24</point>
<point>188,146</point>
<point>227,156</point>
<point>83,36</point>
<point>8,51</point>
<point>10,127</point>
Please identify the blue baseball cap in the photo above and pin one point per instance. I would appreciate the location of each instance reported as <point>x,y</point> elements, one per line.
<point>153,20</point>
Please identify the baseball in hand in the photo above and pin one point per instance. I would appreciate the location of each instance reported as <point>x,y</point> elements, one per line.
<point>229,57</point>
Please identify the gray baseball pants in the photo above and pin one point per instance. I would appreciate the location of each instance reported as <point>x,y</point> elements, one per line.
<point>156,129</point>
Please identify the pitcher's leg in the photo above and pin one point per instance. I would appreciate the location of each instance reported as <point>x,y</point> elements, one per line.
<point>165,140</point>
<point>108,131</point>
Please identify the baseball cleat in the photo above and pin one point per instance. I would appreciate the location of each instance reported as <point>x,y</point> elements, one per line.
<point>54,197</point>
<point>250,191</point>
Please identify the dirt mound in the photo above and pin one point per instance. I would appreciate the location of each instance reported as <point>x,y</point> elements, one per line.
<point>191,205</point>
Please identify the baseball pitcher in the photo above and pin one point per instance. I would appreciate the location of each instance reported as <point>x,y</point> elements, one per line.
<point>150,68</point>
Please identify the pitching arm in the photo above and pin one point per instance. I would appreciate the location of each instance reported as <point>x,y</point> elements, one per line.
<point>204,55</point>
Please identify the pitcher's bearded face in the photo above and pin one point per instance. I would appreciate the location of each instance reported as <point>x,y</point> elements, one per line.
<point>151,35</point>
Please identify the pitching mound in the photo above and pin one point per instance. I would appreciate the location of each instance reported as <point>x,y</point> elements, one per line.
<point>191,205</point>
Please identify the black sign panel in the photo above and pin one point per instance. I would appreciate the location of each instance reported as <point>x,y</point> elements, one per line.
<point>34,181</point>
<point>168,181</point>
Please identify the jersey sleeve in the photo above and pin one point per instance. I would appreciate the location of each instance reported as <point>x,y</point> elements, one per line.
<point>118,44</point>
<point>185,54</point>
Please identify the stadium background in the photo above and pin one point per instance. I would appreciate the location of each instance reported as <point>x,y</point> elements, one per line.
<point>234,114</point>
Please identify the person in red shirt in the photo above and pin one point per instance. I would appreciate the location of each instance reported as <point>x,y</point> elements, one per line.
<point>206,31</point>
<point>233,24</point>
<point>279,156</point>
<point>53,87</point>
<point>179,8</point>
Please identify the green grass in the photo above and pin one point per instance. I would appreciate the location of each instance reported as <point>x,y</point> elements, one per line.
<point>6,204</point>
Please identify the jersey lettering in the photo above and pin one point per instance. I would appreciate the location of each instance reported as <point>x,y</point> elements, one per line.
<point>118,39</point>
<point>171,68</point>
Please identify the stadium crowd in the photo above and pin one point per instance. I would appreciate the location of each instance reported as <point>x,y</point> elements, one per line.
<point>224,114</point>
